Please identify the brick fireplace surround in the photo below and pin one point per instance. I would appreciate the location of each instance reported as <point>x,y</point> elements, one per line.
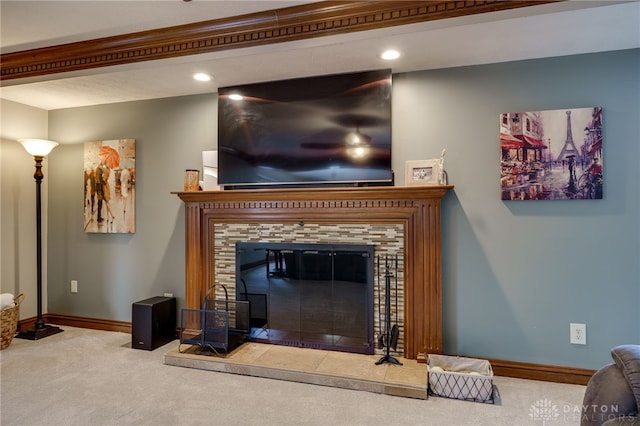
<point>415,210</point>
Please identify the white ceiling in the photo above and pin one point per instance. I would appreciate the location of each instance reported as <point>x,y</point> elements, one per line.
<point>566,28</point>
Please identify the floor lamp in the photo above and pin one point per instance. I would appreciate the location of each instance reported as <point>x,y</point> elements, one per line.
<point>39,149</point>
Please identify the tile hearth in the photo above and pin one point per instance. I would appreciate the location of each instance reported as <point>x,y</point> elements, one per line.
<point>313,366</point>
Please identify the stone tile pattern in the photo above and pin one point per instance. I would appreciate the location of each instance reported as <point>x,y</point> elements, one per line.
<point>387,239</point>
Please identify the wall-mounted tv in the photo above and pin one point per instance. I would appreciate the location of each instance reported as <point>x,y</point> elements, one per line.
<point>316,131</point>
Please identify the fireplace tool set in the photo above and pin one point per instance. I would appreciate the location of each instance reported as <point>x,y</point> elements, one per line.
<point>388,339</point>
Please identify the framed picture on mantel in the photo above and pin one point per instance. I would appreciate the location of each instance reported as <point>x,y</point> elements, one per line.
<point>422,172</point>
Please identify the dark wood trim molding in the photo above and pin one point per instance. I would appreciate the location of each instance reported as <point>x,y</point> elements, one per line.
<point>275,26</point>
<point>81,322</point>
<point>547,373</point>
<point>519,370</point>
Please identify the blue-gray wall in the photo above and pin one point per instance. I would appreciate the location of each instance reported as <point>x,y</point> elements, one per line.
<point>115,270</point>
<point>515,274</point>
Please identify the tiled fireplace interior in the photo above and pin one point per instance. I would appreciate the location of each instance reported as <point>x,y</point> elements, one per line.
<point>386,238</point>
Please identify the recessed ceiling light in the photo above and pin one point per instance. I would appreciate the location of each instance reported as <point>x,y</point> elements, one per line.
<point>202,77</point>
<point>389,55</point>
<point>235,97</point>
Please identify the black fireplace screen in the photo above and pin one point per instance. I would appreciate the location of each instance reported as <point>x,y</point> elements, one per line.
<point>308,295</point>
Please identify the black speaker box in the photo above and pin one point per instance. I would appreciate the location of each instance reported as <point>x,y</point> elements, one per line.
<point>153,322</point>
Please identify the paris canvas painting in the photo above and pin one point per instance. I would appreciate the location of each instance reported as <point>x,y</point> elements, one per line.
<point>110,186</point>
<point>551,155</point>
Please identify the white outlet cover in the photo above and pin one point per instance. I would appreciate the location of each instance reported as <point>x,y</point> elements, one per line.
<point>577,334</point>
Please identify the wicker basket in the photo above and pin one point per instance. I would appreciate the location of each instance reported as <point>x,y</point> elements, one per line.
<point>9,322</point>
<point>457,380</point>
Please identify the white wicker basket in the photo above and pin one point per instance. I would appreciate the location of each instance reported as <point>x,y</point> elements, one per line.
<point>469,379</point>
<point>9,322</point>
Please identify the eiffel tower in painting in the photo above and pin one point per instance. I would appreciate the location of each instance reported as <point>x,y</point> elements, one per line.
<point>569,147</point>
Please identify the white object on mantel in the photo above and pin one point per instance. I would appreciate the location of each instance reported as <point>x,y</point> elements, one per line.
<point>442,173</point>
<point>6,300</point>
<point>210,171</point>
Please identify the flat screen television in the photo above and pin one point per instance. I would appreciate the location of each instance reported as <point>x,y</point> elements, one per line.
<point>332,130</point>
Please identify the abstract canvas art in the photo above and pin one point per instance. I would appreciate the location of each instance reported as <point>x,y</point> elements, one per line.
<point>110,186</point>
<point>551,155</point>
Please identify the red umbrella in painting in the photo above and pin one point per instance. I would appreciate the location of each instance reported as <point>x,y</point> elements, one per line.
<point>109,156</point>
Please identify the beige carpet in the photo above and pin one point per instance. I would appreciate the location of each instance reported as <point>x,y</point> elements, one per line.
<point>89,377</point>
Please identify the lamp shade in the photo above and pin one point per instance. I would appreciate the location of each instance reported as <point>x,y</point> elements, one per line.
<point>38,147</point>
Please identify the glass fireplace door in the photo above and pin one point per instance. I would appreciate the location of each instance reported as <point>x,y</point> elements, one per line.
<point>310,295</point>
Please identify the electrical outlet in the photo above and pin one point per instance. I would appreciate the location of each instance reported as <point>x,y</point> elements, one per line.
<point>74,286</point>
<point>578,334</point>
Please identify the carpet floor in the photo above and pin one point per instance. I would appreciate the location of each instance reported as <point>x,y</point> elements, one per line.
<point>89,377</point>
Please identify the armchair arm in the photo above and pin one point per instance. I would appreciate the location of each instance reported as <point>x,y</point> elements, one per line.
<point>607,396</point>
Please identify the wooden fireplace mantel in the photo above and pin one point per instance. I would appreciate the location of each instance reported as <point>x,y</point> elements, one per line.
<point>416,207</point>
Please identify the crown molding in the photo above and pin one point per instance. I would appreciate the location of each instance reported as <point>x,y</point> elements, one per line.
<point>274,26</point>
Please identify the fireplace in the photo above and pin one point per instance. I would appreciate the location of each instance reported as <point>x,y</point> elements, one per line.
<point>308,295</point>
<point>393,219</point>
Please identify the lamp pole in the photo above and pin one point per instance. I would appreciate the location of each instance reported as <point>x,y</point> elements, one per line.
<point>39,149</point>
